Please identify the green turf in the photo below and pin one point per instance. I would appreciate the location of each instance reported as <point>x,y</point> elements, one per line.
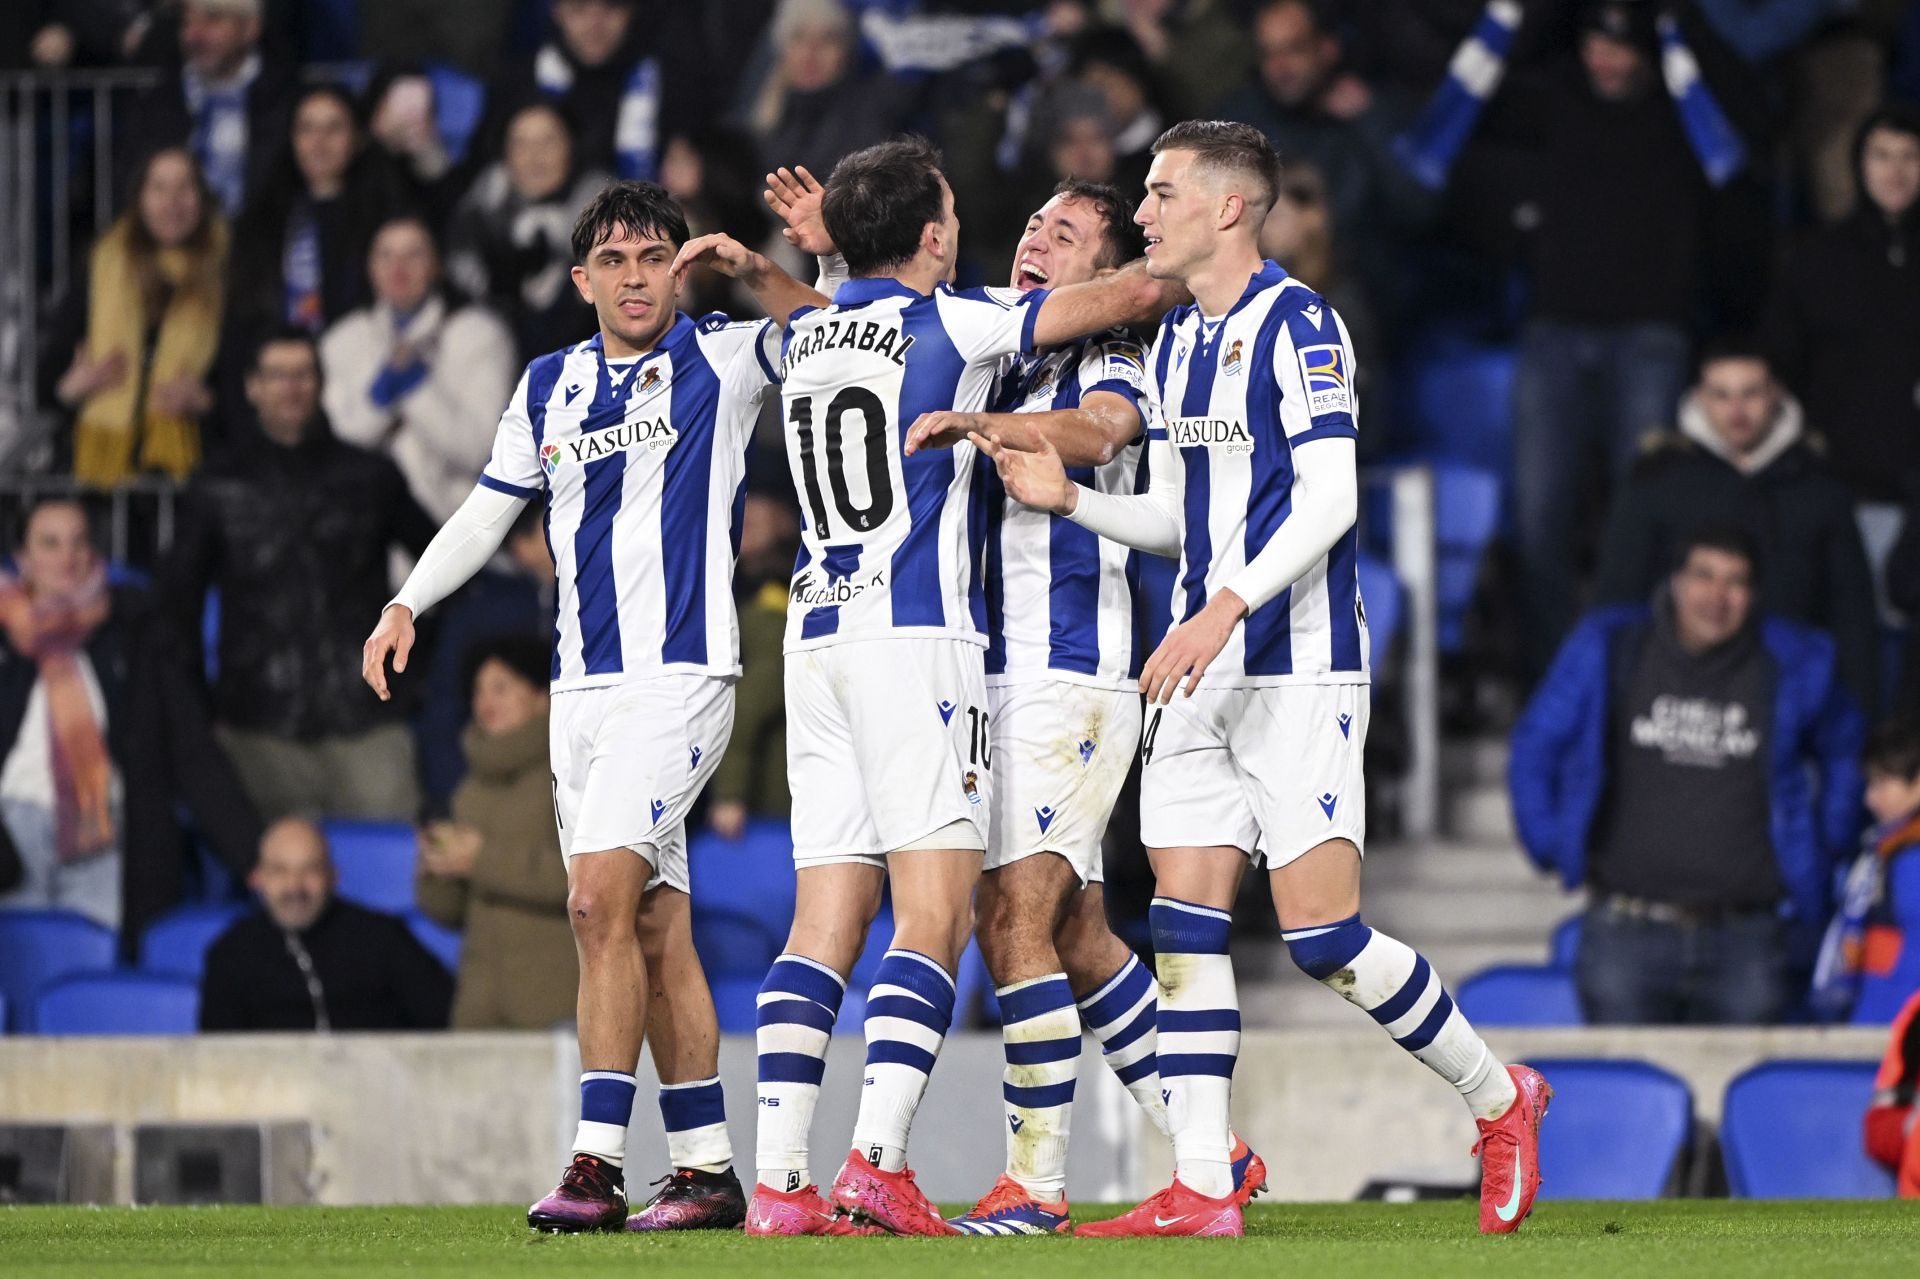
<point>1313,1241</point>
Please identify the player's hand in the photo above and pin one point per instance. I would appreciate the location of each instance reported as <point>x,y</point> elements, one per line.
<point>1036,479</point>
<point>394,635</point>
<point>795,197</point>
<point>1189,648</point>
<point>721,252</point>
<point>940,430</point>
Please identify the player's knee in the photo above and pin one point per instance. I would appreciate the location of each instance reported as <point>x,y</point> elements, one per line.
<point>1322,952</point>
<point>600,918</point>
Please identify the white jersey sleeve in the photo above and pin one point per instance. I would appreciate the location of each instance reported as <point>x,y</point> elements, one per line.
<point>746,353</point>
<point>1316,382</point>
<point>987,324</point>
<point>514,466</point>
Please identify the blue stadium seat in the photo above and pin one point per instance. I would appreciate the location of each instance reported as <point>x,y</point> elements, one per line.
<point>1466,517</point>
<point>375,863</point>
<point>1386,603</point>
<point>1791,1130</point>
<point>175,945</point>
<point>442,943</point>
<point>1565,946</point>
<point>459,101</point>
<point>752,875</point>
<point>736,1000</point>
<point>3,1014</point>
<point>40,946</point>
<point>1520,995</point>
<point>732,943</point>
<point>1458,398</point>
<point>1615,1130</point>
<point>118,1003</point>
<point>974,1003</point>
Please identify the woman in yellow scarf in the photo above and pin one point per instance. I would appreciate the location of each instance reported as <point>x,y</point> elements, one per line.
<point>156,282</point>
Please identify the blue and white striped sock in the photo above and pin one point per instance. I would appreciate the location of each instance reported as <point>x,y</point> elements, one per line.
<point>1199,1038</point>
<point>695,1115</point>
<point>908,1012</point>
<point>798,1003</point>
<point>1122,1014</point>
<point>1400,990</point>
<point>1041,1031</point>
<point>606,1108</point>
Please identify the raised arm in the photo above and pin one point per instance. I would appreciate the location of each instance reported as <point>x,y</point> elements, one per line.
<point>778,293</point>
<point>1127,296</point>
<point>1090,435</point>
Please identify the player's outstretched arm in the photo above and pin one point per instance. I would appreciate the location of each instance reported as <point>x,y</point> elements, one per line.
<point>1150,521</point>
<point>778,293</point>
<point>462,546</point>
<point>1090,435</point>
<point>797,197</point>
<point>1126,296</point>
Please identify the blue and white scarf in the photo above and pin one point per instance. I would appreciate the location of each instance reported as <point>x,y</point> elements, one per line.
<point>1430,147</point>
<point>636,131</point>
<point>220,131</point>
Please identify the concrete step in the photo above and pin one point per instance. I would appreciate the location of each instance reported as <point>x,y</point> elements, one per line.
<point>1479,812</point>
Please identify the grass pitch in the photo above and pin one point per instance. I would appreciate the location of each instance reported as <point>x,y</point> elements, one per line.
<point>1862,1240</point>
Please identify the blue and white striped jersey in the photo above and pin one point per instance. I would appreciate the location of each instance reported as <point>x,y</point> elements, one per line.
<point>1237,395</point>
<point>643,463</point>
<point>890,545</point>
<point>1059,602</point>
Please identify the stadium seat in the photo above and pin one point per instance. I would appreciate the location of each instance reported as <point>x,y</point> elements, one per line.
<point>736,1000</point>
<point>1565,946</point>
<point>1466,517</point>
<point>375,863</point>
<point>442,943</point>
<point>40,946</point>
<point>752,875</point>
<point>459,101</point>
<point>1386,603</point>
<point>1520,995</point>
<point>175,945</point>
<point>1615,1129</point>
<point>118,1003</point>
<point>1791,1130</point>
<point>1459,399</point>
<point>732,943</point>
<point>1903,890</point>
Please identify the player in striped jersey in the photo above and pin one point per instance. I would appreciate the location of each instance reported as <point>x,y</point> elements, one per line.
<point>1062,667</point>
<point>1253,484</point>
<point>888,721</point>
<point>636,440</point>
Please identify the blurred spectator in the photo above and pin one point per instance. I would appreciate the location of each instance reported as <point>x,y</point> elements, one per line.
<point>1893,1141</point>
<point>1666,764</point>
<point>1198,49</point>
<point>223,102</point>
<point>714,177</point>
<point>752,778</point>
<point>300,253</point>
<point>1299,235</point>
<point>1742,458</point>
<point>1106,60</point>
<point>513,597</point>
<point>1844,322</point>
<point>150,312</point>
<point>308,961</point>
<point>102,740</point>
<point>1868,934</point>
<point>1071,136</point>
<point>294,531</point>
<point>403,123</point>
<point>1315,109</point>
<point>82,33</point>
<point>511,242</point>
<point>813,105</point>
<point>467,34</point>
<point>416,378</point>
<point>496,870</point>
<point>1615,262</point>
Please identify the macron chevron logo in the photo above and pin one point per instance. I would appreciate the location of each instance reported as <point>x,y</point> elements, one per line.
<point>946,711</point>
<point>659,807</point>
<point>1327,802</point>
<point>1016,1123</point>
<point>1346,725</point>
<point>1044,815</point>
<point>573,392</point>
<point>696,759</point>
<point>1087,748</point>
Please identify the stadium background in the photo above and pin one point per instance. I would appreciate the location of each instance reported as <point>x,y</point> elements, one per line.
<point>1442,231</point>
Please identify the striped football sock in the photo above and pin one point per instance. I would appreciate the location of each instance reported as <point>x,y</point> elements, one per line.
<point>1400,990</point>
<point>1122,1014</point>
<point>695,1115</point>
<point>1199,1038</point>
<point>606,1108</point>
<point>798,1003</point>
<point>908,1012</point>
<point>1041,1030</point>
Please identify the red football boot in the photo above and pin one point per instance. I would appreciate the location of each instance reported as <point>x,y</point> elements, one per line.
<point>1509,1150</point>
<point>1176,1211</point>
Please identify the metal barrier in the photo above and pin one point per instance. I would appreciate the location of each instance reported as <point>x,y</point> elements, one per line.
<point>139,515</point>
<point>1414,563</point>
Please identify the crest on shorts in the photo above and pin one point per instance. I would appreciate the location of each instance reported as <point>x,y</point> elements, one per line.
<point>971,785</point>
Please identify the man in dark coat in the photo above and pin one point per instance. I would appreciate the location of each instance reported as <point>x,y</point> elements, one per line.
<point>309,961</point>
<point>1742,457</point>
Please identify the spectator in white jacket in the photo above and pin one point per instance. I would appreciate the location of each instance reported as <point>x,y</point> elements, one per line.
<point>415,377</point>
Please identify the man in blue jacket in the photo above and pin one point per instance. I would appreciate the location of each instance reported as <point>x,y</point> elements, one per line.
<point>1694,764</point>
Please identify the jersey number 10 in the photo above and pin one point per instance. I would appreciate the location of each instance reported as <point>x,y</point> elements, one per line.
<point>877,443</point>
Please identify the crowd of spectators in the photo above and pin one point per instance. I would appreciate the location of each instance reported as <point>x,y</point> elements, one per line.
<point>344,227</point>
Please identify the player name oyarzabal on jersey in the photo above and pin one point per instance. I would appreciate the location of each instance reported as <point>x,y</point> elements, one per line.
<point>850,335</point>
<point>1209,432</point>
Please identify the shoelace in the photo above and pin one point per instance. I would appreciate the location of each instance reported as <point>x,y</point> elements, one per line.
<point>586,1180</point>
<point>1005,1194</point>
<point>1158,1200</point>
<point>671,1183</point>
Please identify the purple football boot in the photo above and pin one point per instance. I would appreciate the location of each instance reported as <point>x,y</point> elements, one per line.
<point>693,1200</point>
<point>591,1196</point>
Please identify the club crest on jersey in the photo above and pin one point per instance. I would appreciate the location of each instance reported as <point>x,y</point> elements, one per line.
<point>1233,364</point>
<point>1229,437</point>
<point>651,383</point>
<point>653,435</point>
<point>812,591</point>
<point>1324,370</point>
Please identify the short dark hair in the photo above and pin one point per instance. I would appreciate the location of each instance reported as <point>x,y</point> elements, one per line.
<point>1319,17</point>
<point>1228,146</point>
<point>1894,117</point>
<point>1123,241</point>
<point>636,208</point>
<point>1729,538</point>
<point>526,655</point>
<point>879,199</point>
<point>1893,749</point>
<point>280,335</point>
<point>1732,346</point>
<point>42,502</point>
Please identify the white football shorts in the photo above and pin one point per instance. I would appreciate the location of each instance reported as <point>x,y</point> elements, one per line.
<point>1062,751</point>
